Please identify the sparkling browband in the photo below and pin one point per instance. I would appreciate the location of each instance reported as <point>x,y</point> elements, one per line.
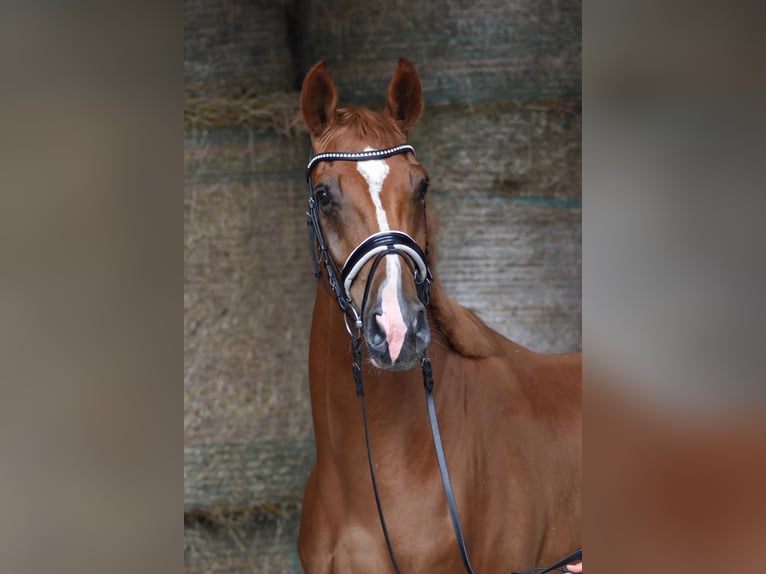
<point>357,156</point>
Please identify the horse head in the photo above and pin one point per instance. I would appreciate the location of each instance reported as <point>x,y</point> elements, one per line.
<point>368,192</point>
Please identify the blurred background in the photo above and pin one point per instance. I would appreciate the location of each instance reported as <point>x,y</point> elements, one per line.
<point>501,139</point>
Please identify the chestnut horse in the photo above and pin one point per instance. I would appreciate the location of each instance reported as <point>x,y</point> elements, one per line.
<point>510,418</point>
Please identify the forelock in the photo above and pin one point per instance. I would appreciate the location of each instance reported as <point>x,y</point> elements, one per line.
<point>354,127</point>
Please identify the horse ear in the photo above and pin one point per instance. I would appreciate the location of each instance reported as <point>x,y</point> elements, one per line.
<point>405,96</point>
<point>319,99</point>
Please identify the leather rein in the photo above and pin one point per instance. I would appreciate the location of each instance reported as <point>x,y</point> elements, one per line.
<point>374,249</point>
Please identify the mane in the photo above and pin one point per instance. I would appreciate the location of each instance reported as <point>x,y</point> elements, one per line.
<point>355,125</point>
<point>462,329</point>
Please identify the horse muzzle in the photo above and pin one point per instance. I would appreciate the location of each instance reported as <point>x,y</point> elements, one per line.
<point>397,341</point>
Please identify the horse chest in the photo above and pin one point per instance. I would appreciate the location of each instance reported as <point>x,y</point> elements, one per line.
<point>345,535</point>
<point>357,548</point>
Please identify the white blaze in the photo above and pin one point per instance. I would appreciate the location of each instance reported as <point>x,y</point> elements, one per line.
<point>391,320</point>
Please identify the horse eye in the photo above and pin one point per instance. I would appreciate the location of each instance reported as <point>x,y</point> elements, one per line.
<point>323,196</point>
<point>423,188</point>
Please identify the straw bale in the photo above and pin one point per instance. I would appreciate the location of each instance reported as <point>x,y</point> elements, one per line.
<point>242,543</point>
<point>517,264</point>
<point>510,149</point>
<point>506,185</point>
<point>243,476</point>
<point>233,45</point>
<point>247,303</point>
<point>465,51</point>
<point>243,108</point>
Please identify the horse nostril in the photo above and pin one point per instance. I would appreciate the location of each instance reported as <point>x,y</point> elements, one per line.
<point>422,331</point>
<point>419,322</point>
<point>376,337</point>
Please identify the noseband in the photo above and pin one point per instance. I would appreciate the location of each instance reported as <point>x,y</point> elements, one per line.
<point>374,248</point>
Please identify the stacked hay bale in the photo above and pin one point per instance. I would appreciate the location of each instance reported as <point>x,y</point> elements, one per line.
<point>464,50</point>
<point>247,424</point>
<point>231,45</point>
<point>500,137</point>
<point>247,305</point>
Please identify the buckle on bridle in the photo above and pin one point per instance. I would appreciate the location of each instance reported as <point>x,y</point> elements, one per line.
<point>351,310</point>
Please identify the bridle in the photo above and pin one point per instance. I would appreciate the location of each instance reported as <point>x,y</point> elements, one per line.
<point>374,248</point>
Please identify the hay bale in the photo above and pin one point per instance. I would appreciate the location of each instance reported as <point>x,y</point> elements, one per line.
<point>507,149</point>
<point>517,264</point>
<point>465,51</point>
<point>231,45</point>
<point>247,301</point>
<point>278,112</point>
<point>506,184</point>
<point>244,476</point>
<point>242,543</point>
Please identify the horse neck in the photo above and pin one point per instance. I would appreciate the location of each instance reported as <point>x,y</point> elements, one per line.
<point>394,400</point>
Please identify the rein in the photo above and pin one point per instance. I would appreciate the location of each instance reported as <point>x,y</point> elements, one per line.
<point>374,249</point>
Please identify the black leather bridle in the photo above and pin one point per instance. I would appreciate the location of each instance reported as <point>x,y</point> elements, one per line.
<point>375,248</point>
